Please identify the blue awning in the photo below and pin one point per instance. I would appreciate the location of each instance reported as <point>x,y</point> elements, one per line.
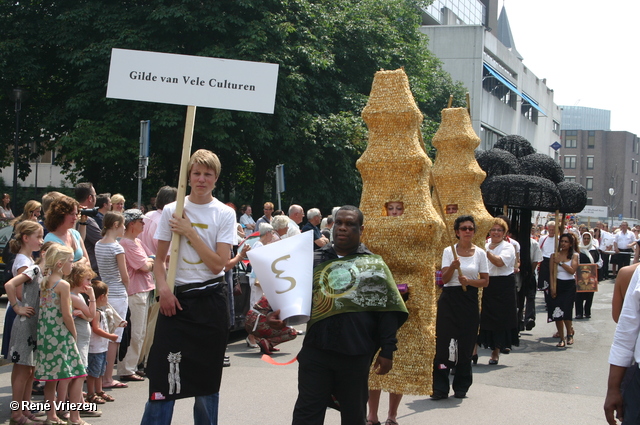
<point>513,88</point>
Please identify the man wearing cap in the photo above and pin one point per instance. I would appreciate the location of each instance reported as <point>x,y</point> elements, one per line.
<point>141,284</point>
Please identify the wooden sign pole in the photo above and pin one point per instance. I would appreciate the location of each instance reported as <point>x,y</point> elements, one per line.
<point>182,193</point>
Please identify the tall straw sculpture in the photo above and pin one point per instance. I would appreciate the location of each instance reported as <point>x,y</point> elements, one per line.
<point>395,168</point>
<point>457,174</point>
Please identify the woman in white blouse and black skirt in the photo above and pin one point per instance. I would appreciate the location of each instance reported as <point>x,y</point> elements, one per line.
<point>458,316</point>
<point>499,318</point>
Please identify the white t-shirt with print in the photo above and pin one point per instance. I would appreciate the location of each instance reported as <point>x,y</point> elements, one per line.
<point>215,223</point>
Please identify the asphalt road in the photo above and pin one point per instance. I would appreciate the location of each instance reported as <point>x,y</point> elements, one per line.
<point>536,384</point>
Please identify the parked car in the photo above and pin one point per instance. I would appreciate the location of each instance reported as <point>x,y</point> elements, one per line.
<point>5,236</point>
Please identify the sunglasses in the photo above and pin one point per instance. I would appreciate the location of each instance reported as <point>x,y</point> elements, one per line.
<point>467,229</point>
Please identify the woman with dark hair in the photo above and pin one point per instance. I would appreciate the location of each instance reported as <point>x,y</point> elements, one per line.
<point>499,318</point>
<point>61,222</point>
<point>6,215</point>
<point>560,303</point>
<point>458,317</point>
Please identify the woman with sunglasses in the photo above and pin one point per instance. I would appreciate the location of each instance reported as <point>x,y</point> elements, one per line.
<point>458,316</point>
<point>560,304</point>
<point>499,318</point>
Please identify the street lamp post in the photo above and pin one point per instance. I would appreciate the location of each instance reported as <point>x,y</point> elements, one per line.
<point>17,98</point>
<point>611,207</point>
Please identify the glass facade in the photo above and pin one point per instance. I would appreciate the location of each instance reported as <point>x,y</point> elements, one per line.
<point>583,118</point>
<point>470,12</point>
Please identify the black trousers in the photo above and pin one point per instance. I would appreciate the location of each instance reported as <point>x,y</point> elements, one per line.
<point>584,300</point>
<point>323,373</point>
<point>630,396</point>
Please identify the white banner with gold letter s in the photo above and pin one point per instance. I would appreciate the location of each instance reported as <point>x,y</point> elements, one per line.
<point>285,272</point>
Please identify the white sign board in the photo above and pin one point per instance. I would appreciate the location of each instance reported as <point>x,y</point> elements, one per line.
<point>285,272</point>
<point>192,81</point>
<point>593,211</point>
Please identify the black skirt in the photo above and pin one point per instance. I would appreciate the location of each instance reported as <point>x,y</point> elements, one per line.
<point>456,325</point>
<point>561,307</point>
<point>187,354</point>
<point>499,317</point>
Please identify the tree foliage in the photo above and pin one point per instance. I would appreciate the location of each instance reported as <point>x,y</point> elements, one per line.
<point>328,52</point>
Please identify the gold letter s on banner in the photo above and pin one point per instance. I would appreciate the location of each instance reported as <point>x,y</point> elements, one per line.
<point>279,272</point>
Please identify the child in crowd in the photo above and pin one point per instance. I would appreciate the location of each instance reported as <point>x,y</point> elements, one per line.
<point>57,356</point>
<point>98,347</point>
<point>22,347</point>
<point>113,271</point>
<point>83,313</point>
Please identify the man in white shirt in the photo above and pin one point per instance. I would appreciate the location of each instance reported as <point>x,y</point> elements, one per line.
<point>296,213</point>
<point>624,350</point>
<point>622,245</point>
<point>547,247</point>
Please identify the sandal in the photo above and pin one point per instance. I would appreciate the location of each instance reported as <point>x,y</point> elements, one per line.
<point>560,344</point>
<point>132,377</point>
<point>556,335</point>
<point>570,339</point>
<point>390,422</point>
<point>105,396</point>
<point>372,423</point>
<point>116,384</point>
<point>95,398</point>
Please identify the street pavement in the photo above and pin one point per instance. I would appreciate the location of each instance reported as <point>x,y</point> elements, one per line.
<point>536,384</point>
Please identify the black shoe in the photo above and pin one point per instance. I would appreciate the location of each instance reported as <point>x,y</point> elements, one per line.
<point>578,316</point>
<point>530,324</point>
<point>474,359</point>
<point>439,396</point>
<point>493,362</point>
<point>587,316</point>
<point>460,394</point>
<point>505,350</point>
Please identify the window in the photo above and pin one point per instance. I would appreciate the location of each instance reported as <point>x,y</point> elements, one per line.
<point>571,143</point>
<point>589,183</point>
<point>632,182</point>
<point>556,127</point>
<point>570,161</point>
<point>589,201</point>
<point>590,162</point>
<point>570,179</point>
<point>591,141</point>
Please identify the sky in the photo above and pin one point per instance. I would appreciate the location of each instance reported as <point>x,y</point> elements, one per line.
<point>586,49</point>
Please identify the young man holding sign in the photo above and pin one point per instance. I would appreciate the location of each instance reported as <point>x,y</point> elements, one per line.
<point>193,324</point>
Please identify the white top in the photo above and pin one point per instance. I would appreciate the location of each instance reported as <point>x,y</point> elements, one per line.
<point>247,219</point>
<point>99,344</point>
<point>19,262</point>
<point>623,240</point>
<point>562,273</point>
<point>547,245</point>
<point>292,230</point>
<point>470,266</point>
<point>215,223</point>
<point>507,252</point>
<point>626,345</point>
<point>606,244</point>
<point>536,253</point>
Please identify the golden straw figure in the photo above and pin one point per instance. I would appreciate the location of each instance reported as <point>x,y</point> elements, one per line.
<point>457,175</point>
<point>403,227</point>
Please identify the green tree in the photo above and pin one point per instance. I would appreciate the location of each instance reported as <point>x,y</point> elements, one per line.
<point>328,52</point>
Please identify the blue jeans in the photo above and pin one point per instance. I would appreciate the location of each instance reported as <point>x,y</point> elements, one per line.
<point>205,411</point>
